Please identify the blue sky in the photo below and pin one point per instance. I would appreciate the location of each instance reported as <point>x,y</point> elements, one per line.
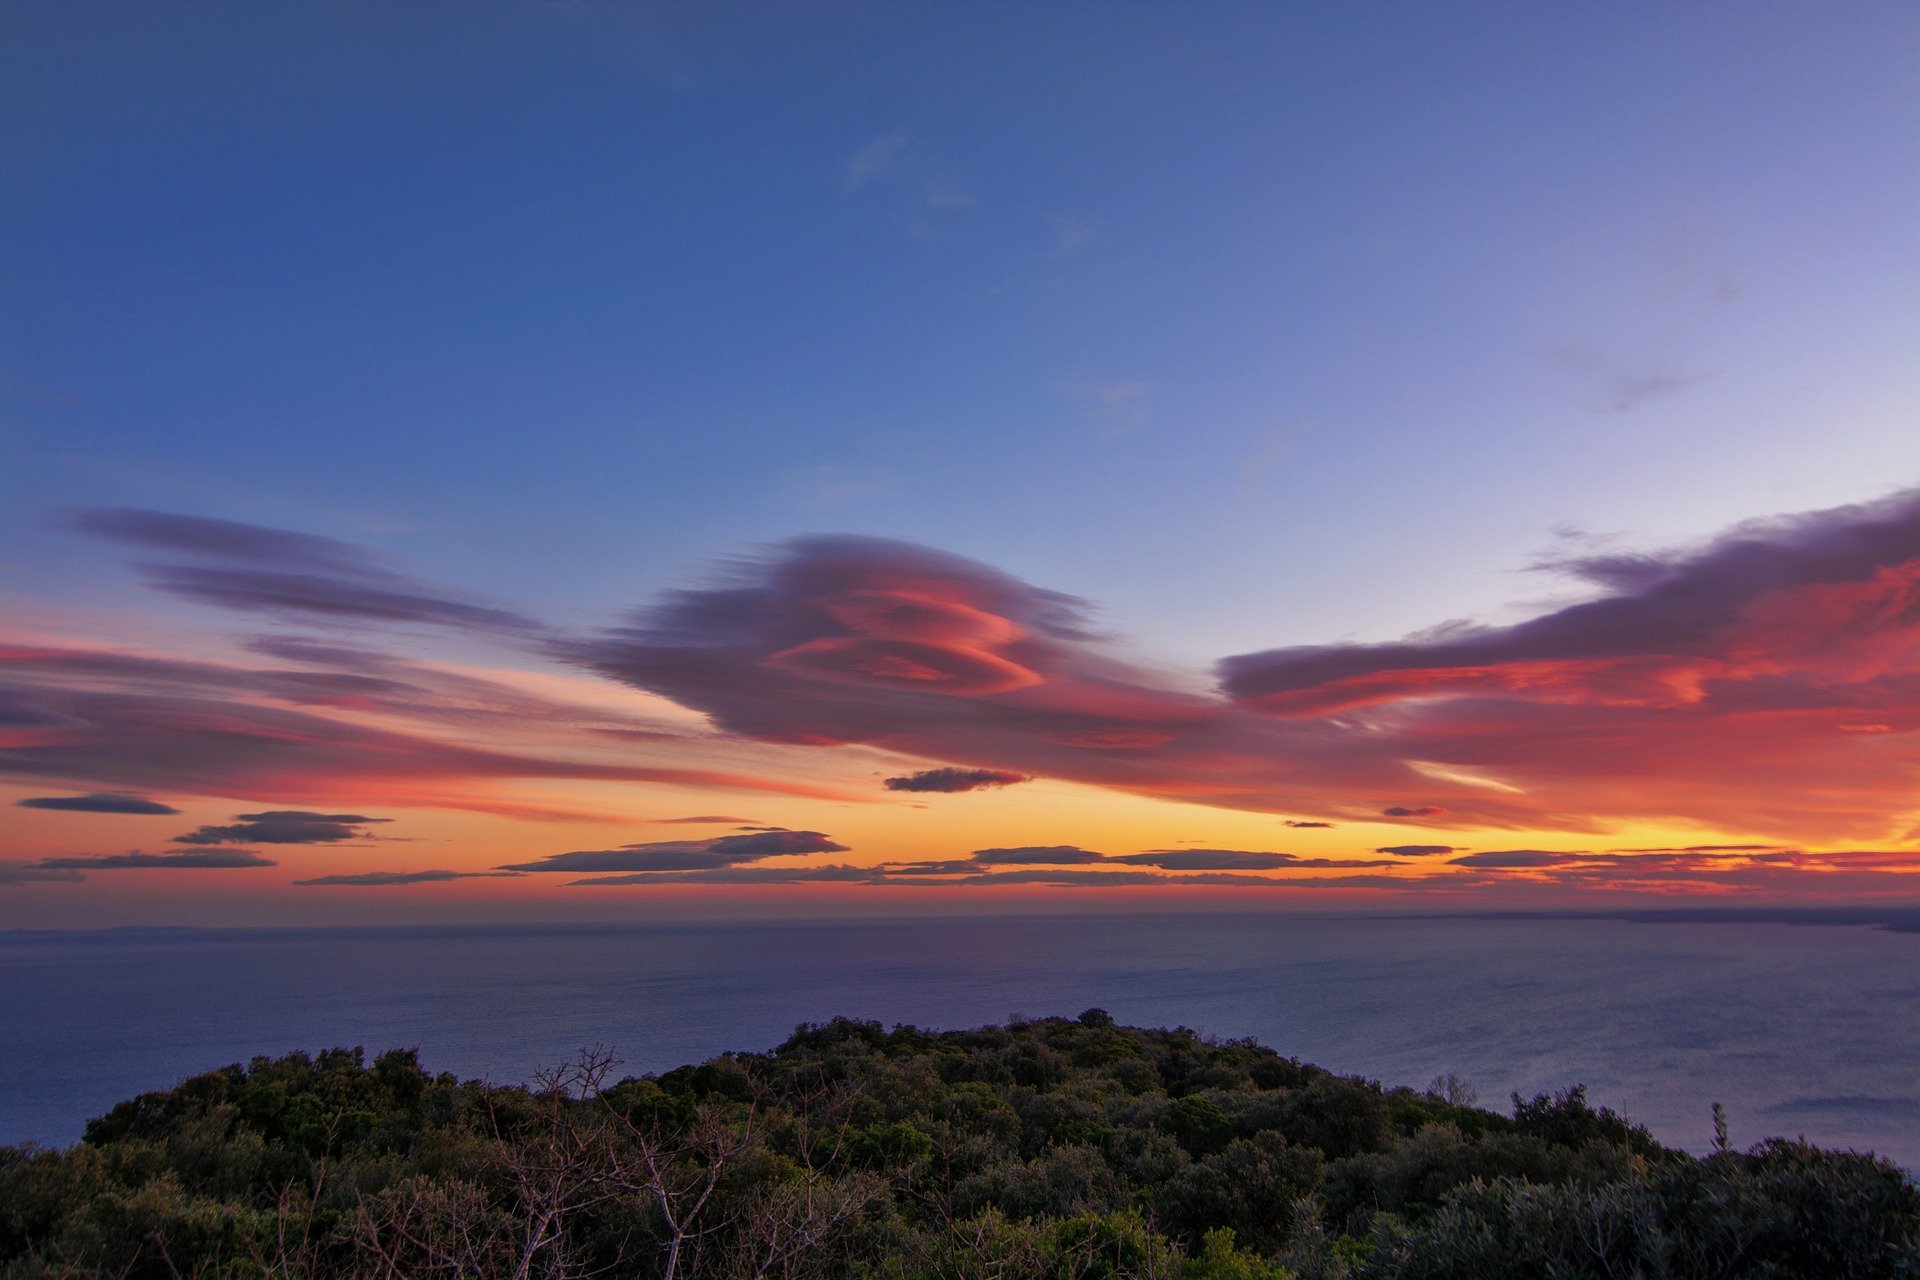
<point>1254,325</point>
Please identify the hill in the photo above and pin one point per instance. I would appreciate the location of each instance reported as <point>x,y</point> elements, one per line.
<point>1050,1149</point>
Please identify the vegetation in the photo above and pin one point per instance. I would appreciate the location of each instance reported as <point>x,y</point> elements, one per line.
<point>1053,1149</point>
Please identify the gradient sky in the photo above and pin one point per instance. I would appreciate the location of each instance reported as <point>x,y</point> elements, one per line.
<point>1407,455</point>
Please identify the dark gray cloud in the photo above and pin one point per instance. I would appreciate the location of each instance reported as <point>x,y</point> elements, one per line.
<point>777,843</point>
<point>100,802</point>
<point>1417,850</point>
<point>1053,855</point>
<point>1515,858</point>
<point>34,873</point>
<point>686,855</point>
<point>1295,822</point>
<point>833,873</point>
<point>1412,811</point>
<point>284,826</point>
<point>1233,860</point>
<point>954,779</point>
<point>383,878</point>
<point>184,859</point>
<point>706,820</point>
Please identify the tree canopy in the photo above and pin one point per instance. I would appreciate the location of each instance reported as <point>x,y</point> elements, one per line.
<point>1043,1149</point>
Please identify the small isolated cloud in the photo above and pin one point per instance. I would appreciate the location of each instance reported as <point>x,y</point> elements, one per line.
<point>955,779</point>
<point>946,192</point>
<point>873,159</point>
<point>1625,390</point>
<point>687,855</point>
<point>1417,850</point>
<point>381,878</point>
<point>1415,811</point>
<point>184,859</point>
<point>1071,236</point>
<point>1621,383</point>
<point>1512,858</point>
<point>1120,407</point>
<point>1295,822</point>
<point>1035,855</point>
<point>99,802</point>
<point>705,819</point>
<point>284,826</point>
<point>34,873</point>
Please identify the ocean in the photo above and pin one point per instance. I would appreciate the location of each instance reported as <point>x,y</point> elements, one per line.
<point>1798,1029</point>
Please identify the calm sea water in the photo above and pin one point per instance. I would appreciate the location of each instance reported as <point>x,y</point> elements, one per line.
<point>1798,1029</point>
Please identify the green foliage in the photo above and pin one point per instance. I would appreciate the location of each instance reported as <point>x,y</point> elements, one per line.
<point>1045,1149</point>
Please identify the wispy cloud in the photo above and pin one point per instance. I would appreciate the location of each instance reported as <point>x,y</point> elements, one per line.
<point>255,569</point>
<point>873,159</point>
<point>383,879</point>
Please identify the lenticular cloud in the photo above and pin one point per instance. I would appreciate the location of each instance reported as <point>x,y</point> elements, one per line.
<point>1762,683</point>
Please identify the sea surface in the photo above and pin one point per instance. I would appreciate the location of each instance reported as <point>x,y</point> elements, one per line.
<point>1798,1029</point>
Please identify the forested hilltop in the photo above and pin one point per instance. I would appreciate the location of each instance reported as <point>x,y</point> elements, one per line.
<point>1052,1149</point>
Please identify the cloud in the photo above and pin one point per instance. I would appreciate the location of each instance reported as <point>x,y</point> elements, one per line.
<point>1705,686</point>
<point>33,873</point>
<point>143,723</point>
<point>1622,382</point>
<point>946,191</point>
<point>1233,860</point>
<point>1120,406</point>
<point>99,802</point>
<point>1794,873</point>
<point>184,859</point>
<point>225,540</point>
<point>705,819</point>
<point>1417,850</point>
<point>383,878</point>
<point>873,159</point>
<point>686,855</point>
<point>951,779</point>
<point>1071,236</point>
<point>262,570</point>
<point>1514,858</point>
<point>1765,601</point>
<point>1721,686</point>
<point>774,844</point>
<point>284,826</point>
<point>833,873</point>
<point>1033,855</point>
<point>1295,822</point>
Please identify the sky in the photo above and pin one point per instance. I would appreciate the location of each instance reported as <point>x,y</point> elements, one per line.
<point>579,461</point>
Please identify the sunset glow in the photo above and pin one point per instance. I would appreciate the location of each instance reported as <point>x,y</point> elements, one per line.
<point>823,486</point>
